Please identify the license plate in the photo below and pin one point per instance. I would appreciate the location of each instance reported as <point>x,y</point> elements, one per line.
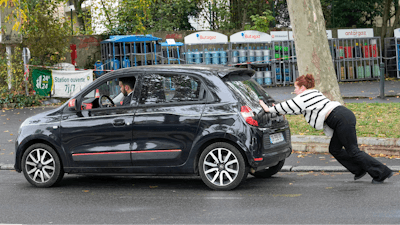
<point>276,138</point>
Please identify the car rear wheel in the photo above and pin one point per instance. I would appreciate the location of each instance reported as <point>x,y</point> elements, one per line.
<point>222,166</point>
<point>270,171</point>
<point>41,166</point>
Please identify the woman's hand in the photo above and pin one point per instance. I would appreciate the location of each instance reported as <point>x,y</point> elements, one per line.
<point>264,106</point>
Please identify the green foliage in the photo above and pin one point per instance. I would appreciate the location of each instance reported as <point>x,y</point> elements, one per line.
<point>18,100</point>
<point>170,15</point>
<point>126,18</point>
<point>16,96</point>
<point>261,23</point>
<point>346,13</point>
<point>239,12</point>
<point>46,34</point>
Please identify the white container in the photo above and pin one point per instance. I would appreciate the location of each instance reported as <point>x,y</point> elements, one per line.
<point>267,57</point>
<point>267,78</point>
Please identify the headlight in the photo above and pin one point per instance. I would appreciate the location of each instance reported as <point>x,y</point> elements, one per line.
<point>22,125</point>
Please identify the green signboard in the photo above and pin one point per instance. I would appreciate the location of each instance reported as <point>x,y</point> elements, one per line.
<point>42,81</point>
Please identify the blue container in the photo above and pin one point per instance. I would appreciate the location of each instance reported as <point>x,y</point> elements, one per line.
<point>242,55</point>
<point>189,57</point>
<point>98,66</point>
<point>207,56</point>
<point>235,55</point>
<point>259,76</point>
<point>277,70</point>
<point>267,77</point>
<point>126,63</point>
<point>252,53</point>
<point>115,64</point>
<point>286,70</point>
<point>196,57</point>
<point>215,57</point>
<point>223,56</point>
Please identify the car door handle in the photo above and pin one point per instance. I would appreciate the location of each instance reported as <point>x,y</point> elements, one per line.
<point>119,122</point>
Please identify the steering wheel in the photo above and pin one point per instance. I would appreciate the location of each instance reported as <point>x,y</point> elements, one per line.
<point>106,105</point>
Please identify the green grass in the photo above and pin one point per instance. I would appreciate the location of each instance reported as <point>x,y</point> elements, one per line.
<point>373,120</point>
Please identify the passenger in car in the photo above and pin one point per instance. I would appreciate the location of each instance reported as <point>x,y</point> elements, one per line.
<point>127,85</point>
<point>338,122</point>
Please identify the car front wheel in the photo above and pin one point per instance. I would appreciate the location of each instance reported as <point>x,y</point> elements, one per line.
<point>222,166</point>
<point>41,166</point>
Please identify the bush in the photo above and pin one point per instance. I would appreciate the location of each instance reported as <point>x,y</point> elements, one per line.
<point>17,100</point>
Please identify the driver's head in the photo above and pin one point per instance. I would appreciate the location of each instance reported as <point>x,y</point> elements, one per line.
<point>126,84</point>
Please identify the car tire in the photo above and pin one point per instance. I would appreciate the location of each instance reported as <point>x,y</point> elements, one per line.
<point>270,171</point>
<point>222,166</point>
<point>42,166</point>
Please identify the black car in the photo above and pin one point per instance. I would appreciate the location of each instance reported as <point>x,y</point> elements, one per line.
<point>182,119</point>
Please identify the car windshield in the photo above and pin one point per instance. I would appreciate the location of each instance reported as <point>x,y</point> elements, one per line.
<point>248,91</point>
<point>110,88</point>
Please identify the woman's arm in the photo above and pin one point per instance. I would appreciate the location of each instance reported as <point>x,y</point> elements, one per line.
<point>264,106</point>
<point>286,107</point>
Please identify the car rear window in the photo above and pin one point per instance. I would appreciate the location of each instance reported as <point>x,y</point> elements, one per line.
<point>248,91</point>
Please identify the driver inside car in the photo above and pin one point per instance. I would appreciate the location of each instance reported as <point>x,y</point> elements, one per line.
<point>127,84</point>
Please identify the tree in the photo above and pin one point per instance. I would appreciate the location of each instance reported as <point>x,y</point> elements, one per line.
<point>387,30</point>
<point>312,47</point>
<point>169,15</point>
<point>348,13</point>
<point>261,23</point>
<point>46,35</point>
<point>82,17</point>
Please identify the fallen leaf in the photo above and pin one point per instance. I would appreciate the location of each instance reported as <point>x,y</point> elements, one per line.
<point>86,191</point>
<point>328,187</point>
<point>153,186</point>
<point>6,131</point>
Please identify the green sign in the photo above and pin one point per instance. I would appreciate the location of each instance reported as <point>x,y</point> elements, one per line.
<point>42,81</point>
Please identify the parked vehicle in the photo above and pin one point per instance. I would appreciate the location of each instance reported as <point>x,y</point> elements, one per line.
<point>183,119</point>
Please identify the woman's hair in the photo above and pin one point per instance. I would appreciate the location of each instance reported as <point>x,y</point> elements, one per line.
<point>306,81</point>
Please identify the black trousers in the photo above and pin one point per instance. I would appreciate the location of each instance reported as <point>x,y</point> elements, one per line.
<point>343,122</point>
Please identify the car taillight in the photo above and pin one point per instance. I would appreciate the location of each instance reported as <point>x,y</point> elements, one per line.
<point>247,114</point>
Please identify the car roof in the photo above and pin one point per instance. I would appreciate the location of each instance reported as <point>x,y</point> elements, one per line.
<point>222,71</point>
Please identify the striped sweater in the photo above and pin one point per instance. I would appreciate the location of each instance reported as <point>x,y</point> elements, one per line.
<point>311,103</point>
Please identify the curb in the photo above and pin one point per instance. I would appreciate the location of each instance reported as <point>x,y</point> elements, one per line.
<point>320,144</point>
<point>6,167</point>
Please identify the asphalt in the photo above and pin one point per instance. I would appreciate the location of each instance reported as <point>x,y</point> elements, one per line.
<point>310,153</point>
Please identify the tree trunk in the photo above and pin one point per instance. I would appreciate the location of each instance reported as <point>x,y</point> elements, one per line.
<point>312,48</point>
<point>395,23</point>
<point>386,17</point>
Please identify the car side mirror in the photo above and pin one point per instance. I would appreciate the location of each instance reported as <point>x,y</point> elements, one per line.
<point>72,105</point>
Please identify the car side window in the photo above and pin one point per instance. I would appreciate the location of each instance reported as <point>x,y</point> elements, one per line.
<point>171,88</point>
<point>110,92</point>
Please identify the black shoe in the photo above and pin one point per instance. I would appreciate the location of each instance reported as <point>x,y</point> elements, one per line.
<point>356,177</point>
<point>380,181</point>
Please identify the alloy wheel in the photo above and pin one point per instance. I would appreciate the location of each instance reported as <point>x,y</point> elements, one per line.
<point>40,165</point>
<point>221,166</point>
